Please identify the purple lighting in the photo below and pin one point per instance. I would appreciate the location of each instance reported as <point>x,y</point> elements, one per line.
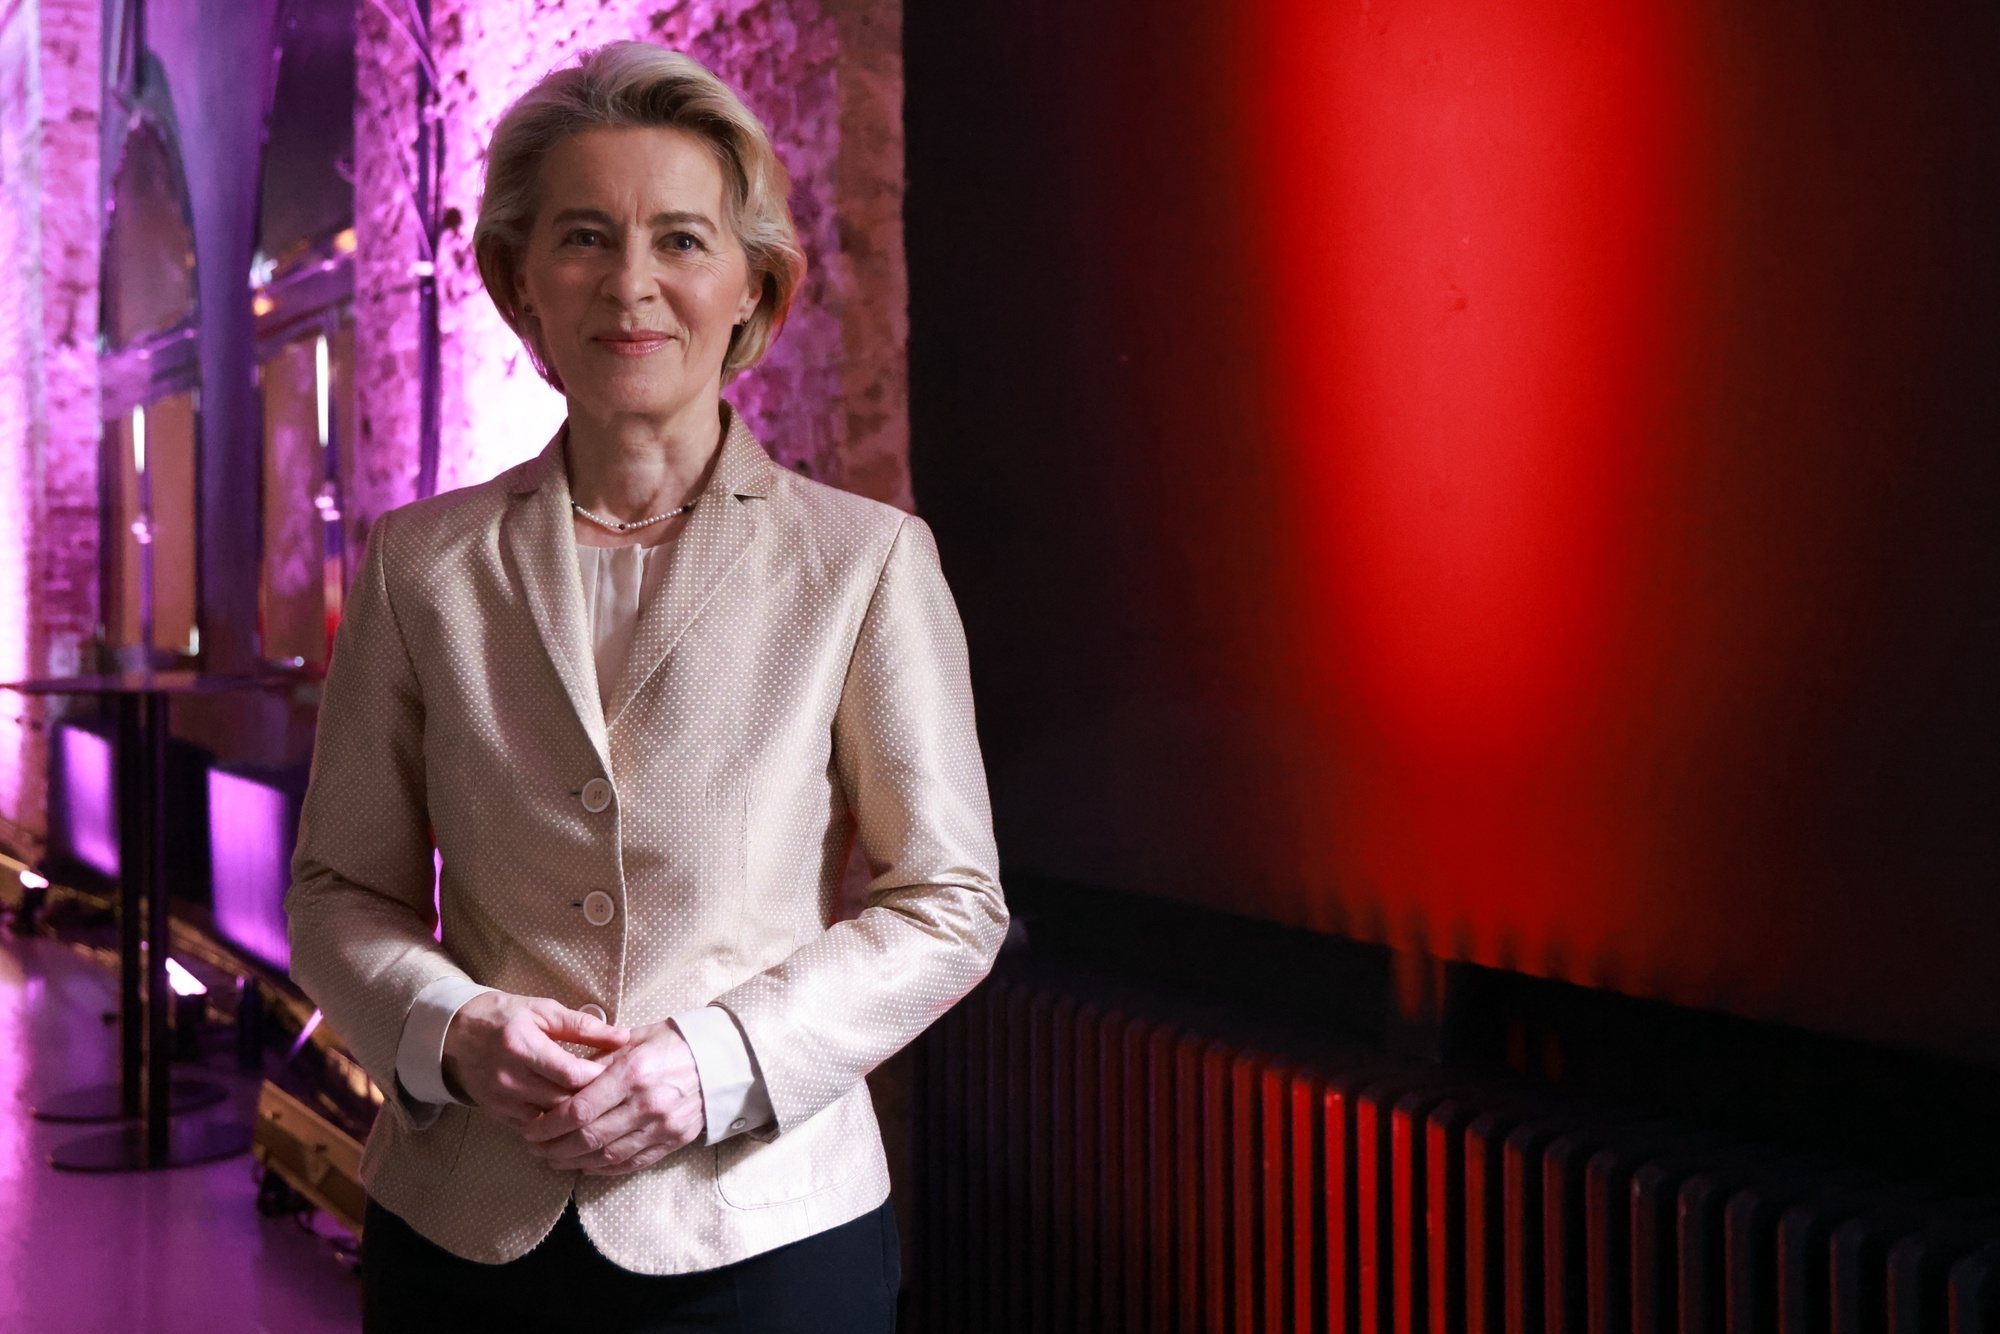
<point>85,764</point>
<point>250,834</point>
<point>305,1034</point>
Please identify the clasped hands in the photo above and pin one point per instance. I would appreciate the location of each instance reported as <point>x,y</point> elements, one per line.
<point>621,1111</point>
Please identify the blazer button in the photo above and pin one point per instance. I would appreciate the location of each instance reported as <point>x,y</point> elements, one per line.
<point>597,907</point>
<point>739,1123</point>
<point>596,795</point>
<point>594,1011</point>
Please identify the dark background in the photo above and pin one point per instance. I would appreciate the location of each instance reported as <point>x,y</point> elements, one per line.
<point>1512,487</point>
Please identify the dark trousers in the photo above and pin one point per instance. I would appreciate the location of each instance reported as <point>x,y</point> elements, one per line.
<point>840,1281</point>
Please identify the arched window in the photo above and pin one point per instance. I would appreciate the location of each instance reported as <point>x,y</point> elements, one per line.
<point>149,375</point>
<point>148,246</point>
<point>303,288</point>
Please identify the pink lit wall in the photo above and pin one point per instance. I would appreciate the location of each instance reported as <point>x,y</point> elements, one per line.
<point>831,399</point>
<point>48,378</point>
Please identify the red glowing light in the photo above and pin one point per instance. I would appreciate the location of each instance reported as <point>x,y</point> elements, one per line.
<point>1475,214</point>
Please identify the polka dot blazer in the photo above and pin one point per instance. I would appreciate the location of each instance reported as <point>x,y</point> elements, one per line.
<point>798,679</point>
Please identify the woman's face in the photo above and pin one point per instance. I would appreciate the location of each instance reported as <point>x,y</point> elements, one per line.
<point>633,274</point>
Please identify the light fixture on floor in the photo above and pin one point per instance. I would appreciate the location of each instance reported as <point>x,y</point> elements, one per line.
<point>27,914</point>
<point>190,1008</point>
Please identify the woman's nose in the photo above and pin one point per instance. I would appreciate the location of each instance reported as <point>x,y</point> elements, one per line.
<point>632,280</point>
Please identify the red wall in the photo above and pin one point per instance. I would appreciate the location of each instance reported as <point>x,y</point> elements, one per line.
<point>1517,481</point>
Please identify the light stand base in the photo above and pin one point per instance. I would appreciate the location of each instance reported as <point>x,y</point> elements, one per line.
<point>105,1102</point>
<point>124,1149</point>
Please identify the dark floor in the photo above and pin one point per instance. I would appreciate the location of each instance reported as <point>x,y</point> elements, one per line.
<point>163,1252</point>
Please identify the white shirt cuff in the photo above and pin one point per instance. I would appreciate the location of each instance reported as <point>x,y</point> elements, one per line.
<point>420,1054</point>
<point>733,1096</point>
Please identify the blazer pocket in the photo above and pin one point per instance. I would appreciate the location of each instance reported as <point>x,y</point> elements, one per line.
<point>818,1154</point>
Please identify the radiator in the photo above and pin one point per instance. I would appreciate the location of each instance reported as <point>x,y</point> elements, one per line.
<point>1089,1160</point>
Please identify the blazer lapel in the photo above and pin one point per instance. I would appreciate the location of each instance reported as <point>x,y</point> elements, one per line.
<point>719,530</point>
<point>541,537</point>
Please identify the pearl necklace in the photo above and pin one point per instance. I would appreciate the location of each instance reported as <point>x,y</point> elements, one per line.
<point>618,526</point>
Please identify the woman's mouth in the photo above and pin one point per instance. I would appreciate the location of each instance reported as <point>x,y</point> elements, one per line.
<point>632,345</point>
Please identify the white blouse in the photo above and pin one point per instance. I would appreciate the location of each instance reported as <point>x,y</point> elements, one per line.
<point>617,581</point>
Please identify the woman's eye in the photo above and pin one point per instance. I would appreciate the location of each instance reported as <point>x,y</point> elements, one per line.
<point>685,242</point>
<point>580,236</point>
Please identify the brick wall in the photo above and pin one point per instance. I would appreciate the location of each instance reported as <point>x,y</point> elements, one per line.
<point>830,399</point>
<point>388,243</point>
<point>825,77</point>
<point>49,57</point>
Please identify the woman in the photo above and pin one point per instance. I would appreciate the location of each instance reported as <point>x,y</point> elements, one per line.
<point>645,689</point>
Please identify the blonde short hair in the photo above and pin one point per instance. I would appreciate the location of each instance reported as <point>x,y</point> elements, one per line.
<point>637,84</point>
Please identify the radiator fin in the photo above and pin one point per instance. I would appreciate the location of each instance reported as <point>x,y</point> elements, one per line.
<point>1093,1160</point>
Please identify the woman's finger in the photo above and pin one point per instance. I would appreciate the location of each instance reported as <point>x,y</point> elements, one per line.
<point>637,1163</point>
<point>619,1150</point>
<point>569,1073</point>
<point>588,1141</point>
<point>567,1025</point>
<point>581,1108</point>
<point>522,1095</point>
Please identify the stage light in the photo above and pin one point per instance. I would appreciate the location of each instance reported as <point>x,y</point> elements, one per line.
<point>305,1035</point>
<point>182,981</point>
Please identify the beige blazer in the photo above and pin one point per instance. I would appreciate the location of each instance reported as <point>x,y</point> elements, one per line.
<point>800,674</point>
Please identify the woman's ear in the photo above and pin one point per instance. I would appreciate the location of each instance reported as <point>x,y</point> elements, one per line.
<point>753,294</point>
